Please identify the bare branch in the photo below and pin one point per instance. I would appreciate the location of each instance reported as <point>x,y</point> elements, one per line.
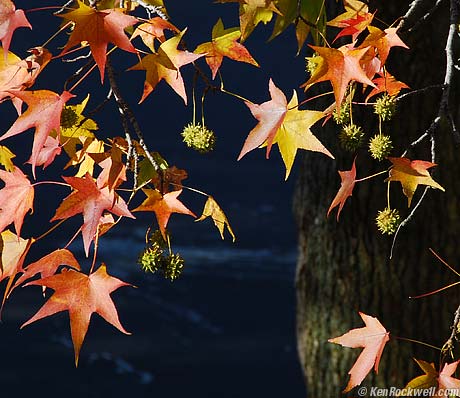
<point>414,7</point>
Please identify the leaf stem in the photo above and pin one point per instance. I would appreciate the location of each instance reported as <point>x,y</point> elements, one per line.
<point>46,233</point>
<point>371,176</point>
<point>417,342</point>
<point>435,291</point>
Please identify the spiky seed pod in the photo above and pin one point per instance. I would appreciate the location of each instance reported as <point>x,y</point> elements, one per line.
<point>380,146</point>
<point>69,117</point>
<point>199,138</point>
<point>151,258</point>
<point>351,137</point>
<point>174,265</point>
<point>385,107</point>
<point>342,117</point>
<point>157,237</point>
<point>388,221</point>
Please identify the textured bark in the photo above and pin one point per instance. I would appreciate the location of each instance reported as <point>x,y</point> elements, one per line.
<point>344,267</point>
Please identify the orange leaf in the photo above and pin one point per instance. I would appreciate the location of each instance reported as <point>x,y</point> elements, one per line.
<point>10,20</point>
<point>43,113</point>
<point>411,174</point>
<point>339,66</point>
<point>163,206</point>
<point>373,338</point>
<point>48,265</point>
<point>81,295</point>
<point>224,44</point>
<point>383,41</point>
<point>165,65</point>
<point>16,199</point>
<point>346,189</point>
<point>386,84</point>
<point>99,28</point>
<point>153,29</point>
<point>89,199</point>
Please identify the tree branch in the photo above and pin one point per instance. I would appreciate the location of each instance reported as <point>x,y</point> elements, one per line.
<point>128,117</point>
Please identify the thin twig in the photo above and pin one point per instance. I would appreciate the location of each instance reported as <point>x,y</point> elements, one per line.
<point>414,7</point>
<point>449,344</point>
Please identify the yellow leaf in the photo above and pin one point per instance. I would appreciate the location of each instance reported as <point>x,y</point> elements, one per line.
<point>213,210</point>
<point>5,158</point>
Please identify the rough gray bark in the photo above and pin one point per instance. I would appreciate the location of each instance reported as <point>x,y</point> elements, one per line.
<point>344,267</point>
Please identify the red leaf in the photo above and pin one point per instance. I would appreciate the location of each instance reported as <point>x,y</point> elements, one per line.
<point>373,338</point>
<point>90,200</point>
<point>99,28</point>
<point>43,113</point>
<point>346,189</point>
<point>81,295</point>
<point>16,199</point>
<point>163,206</point>
<point>10,20</point>
<point>270,115</point>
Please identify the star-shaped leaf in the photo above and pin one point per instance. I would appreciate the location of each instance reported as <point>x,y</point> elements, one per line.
<point>81,295</point>
<point>16,199</point>
<point>224,44</point>
<point>383,41</point>
<point>10,20</point>
<point>340,67</point>
<point>411,173</point>
<point>446,381</point>
<point>426,381</point>
<point>386,83</point>
<point>165,65</point>
<point>154,29</point>
<point>348,178</point>
<point>48,265</point>
<point>99,28</point>
<point>163,206</point>
<point>89,199</point>
<point>352,23</point>
<point>270,115</point>
<point>213,210</point>
<point>372,338</point>
<point>43,113</point>
<point>294,133</point>
<point>283,124</point>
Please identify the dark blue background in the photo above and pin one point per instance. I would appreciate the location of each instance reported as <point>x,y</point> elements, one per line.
<point>227,326</point>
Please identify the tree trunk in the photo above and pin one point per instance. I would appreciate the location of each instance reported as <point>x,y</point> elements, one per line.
<point>344,267</point>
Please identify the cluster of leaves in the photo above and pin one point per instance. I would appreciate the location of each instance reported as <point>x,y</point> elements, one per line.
<point>106,177</point>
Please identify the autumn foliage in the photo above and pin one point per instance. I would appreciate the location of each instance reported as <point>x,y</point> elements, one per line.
<point>108,180</point>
